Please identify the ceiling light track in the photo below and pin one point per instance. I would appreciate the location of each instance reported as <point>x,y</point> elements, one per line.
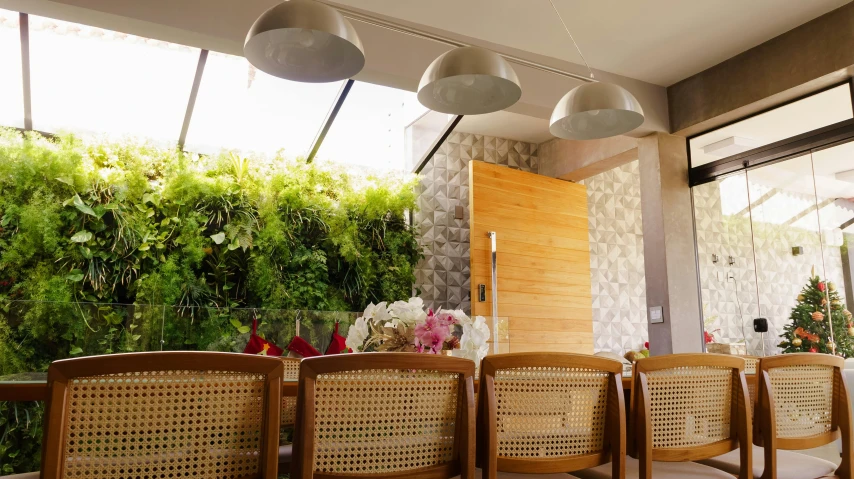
<point>395,27</point>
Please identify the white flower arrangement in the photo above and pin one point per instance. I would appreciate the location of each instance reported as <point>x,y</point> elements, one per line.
<point>406,326</point>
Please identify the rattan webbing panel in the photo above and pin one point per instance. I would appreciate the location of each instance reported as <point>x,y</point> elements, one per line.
<point>289,403</point>
<point>201,424</point>
<point>379,421</point>
<point>550,411</point>
<point>803,399</point>
<point>751,391</point>
<point>689,406</point>
<point>750,365</point>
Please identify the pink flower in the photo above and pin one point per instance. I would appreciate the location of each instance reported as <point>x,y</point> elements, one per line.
<point>431,334</point>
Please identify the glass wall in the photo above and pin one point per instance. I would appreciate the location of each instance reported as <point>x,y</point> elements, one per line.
<point>762,234</point>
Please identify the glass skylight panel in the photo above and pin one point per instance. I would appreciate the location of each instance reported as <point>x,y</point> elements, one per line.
<point>11,82</point>
<point>94,82</point>
<point>370,128</point>
<point>242,108</point>
<point>811,113</point>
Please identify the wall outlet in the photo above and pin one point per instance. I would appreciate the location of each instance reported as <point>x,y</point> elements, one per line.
<point>730,276</point>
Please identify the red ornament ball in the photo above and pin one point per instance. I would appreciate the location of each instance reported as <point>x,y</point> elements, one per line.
<point>813,350</point>
<point>821,286</point>
<point>646,345</point>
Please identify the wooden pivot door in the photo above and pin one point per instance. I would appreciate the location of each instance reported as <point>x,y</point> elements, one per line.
<point>543,258</point>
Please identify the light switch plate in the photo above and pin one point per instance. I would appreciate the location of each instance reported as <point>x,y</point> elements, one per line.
<point>656,314</point>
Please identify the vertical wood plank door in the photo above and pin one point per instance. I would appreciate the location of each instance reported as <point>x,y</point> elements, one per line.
<point>543,258</point>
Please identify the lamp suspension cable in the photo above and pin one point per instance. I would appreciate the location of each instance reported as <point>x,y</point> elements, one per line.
<point>573,39</point>
<point>351,14</point>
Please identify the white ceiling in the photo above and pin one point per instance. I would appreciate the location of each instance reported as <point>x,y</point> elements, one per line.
<point>657,41</point>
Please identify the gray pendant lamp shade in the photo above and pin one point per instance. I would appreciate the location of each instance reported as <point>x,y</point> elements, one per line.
<point>595,110</point>
<point>304,41</point>
<point>469,81</point>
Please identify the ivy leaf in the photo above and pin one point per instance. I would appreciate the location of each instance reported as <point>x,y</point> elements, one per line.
<point>86,252</point>
<point>235,323</point>
<point>144,247</point>
<point>64,179</point>
<point>75,350</point>
<point>81,236</point>
<point>80,205</point>
<point>218,238</point>
<point>243,329</point>
<point>136,337</point>
<point>234,244</point>
<point>75,276</point>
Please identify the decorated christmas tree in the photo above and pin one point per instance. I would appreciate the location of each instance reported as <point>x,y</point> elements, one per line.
<point>809,330</point>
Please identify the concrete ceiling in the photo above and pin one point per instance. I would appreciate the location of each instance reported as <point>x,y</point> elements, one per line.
<point>656,41</point>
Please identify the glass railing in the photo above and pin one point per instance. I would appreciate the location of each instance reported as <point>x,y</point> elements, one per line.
<point>47,331</point>
<point>35,333</point>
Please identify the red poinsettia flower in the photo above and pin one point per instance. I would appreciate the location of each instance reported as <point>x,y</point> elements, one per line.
<point>709,337</point>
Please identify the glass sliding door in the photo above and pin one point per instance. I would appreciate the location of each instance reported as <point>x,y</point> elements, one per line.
<point>725,257</point>
<point>833,172</point>
<point>786,240</point>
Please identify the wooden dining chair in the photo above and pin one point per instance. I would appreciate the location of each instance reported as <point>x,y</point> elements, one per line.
<point>163,414</point>
<point>289,411</point>
<point>550,413</point>
<point>803,404</point>
<point>684,407</point>
<point>385,415</point>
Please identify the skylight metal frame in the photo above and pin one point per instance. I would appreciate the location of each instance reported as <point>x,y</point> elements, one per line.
<point>193,95</point>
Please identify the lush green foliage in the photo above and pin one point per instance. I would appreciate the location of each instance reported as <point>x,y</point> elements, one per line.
<point>810,328</point>
<point>132,224</point>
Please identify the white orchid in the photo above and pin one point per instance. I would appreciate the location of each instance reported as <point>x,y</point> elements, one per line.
<point>459,316</point>
<point>377,313</point>
<point>475,336</point>
<point>407,313</point>
<point>358,334</point>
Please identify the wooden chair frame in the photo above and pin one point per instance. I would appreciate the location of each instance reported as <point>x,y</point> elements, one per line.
<point>62,371</point>
<point>840,415</point>
<point>640,422</point>
<point>462,462</point>
<point>614,446</point>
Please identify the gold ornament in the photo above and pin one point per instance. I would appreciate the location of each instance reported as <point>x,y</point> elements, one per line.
<point>817,316</point>
<point>836,304</point>
<point>846,313</point>
<point>830,345</point>
<point>823,301</point>
<point>831,286</point>
<point>801,298</point>
<point>851,331</point>
<point>797,342</point>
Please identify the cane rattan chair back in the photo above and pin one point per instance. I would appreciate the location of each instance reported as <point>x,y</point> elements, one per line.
<point>803,404</point>
<point>688,407</point>
<point>550,413</point>
<point>289,403</point>
<point>163,414</point>
<point>389,415</point>
<point>751,366</point>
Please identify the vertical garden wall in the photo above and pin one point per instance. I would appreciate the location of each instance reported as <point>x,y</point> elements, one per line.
<point>117,247</point>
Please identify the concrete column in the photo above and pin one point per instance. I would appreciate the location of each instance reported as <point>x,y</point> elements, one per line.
<point>668,244</point>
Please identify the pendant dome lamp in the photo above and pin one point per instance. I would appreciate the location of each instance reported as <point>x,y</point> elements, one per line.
<point>469,81</point>
<point>594,110</point>
<point>304,41</point>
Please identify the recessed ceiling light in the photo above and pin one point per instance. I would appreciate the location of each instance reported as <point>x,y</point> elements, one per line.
<point>730,146</point>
